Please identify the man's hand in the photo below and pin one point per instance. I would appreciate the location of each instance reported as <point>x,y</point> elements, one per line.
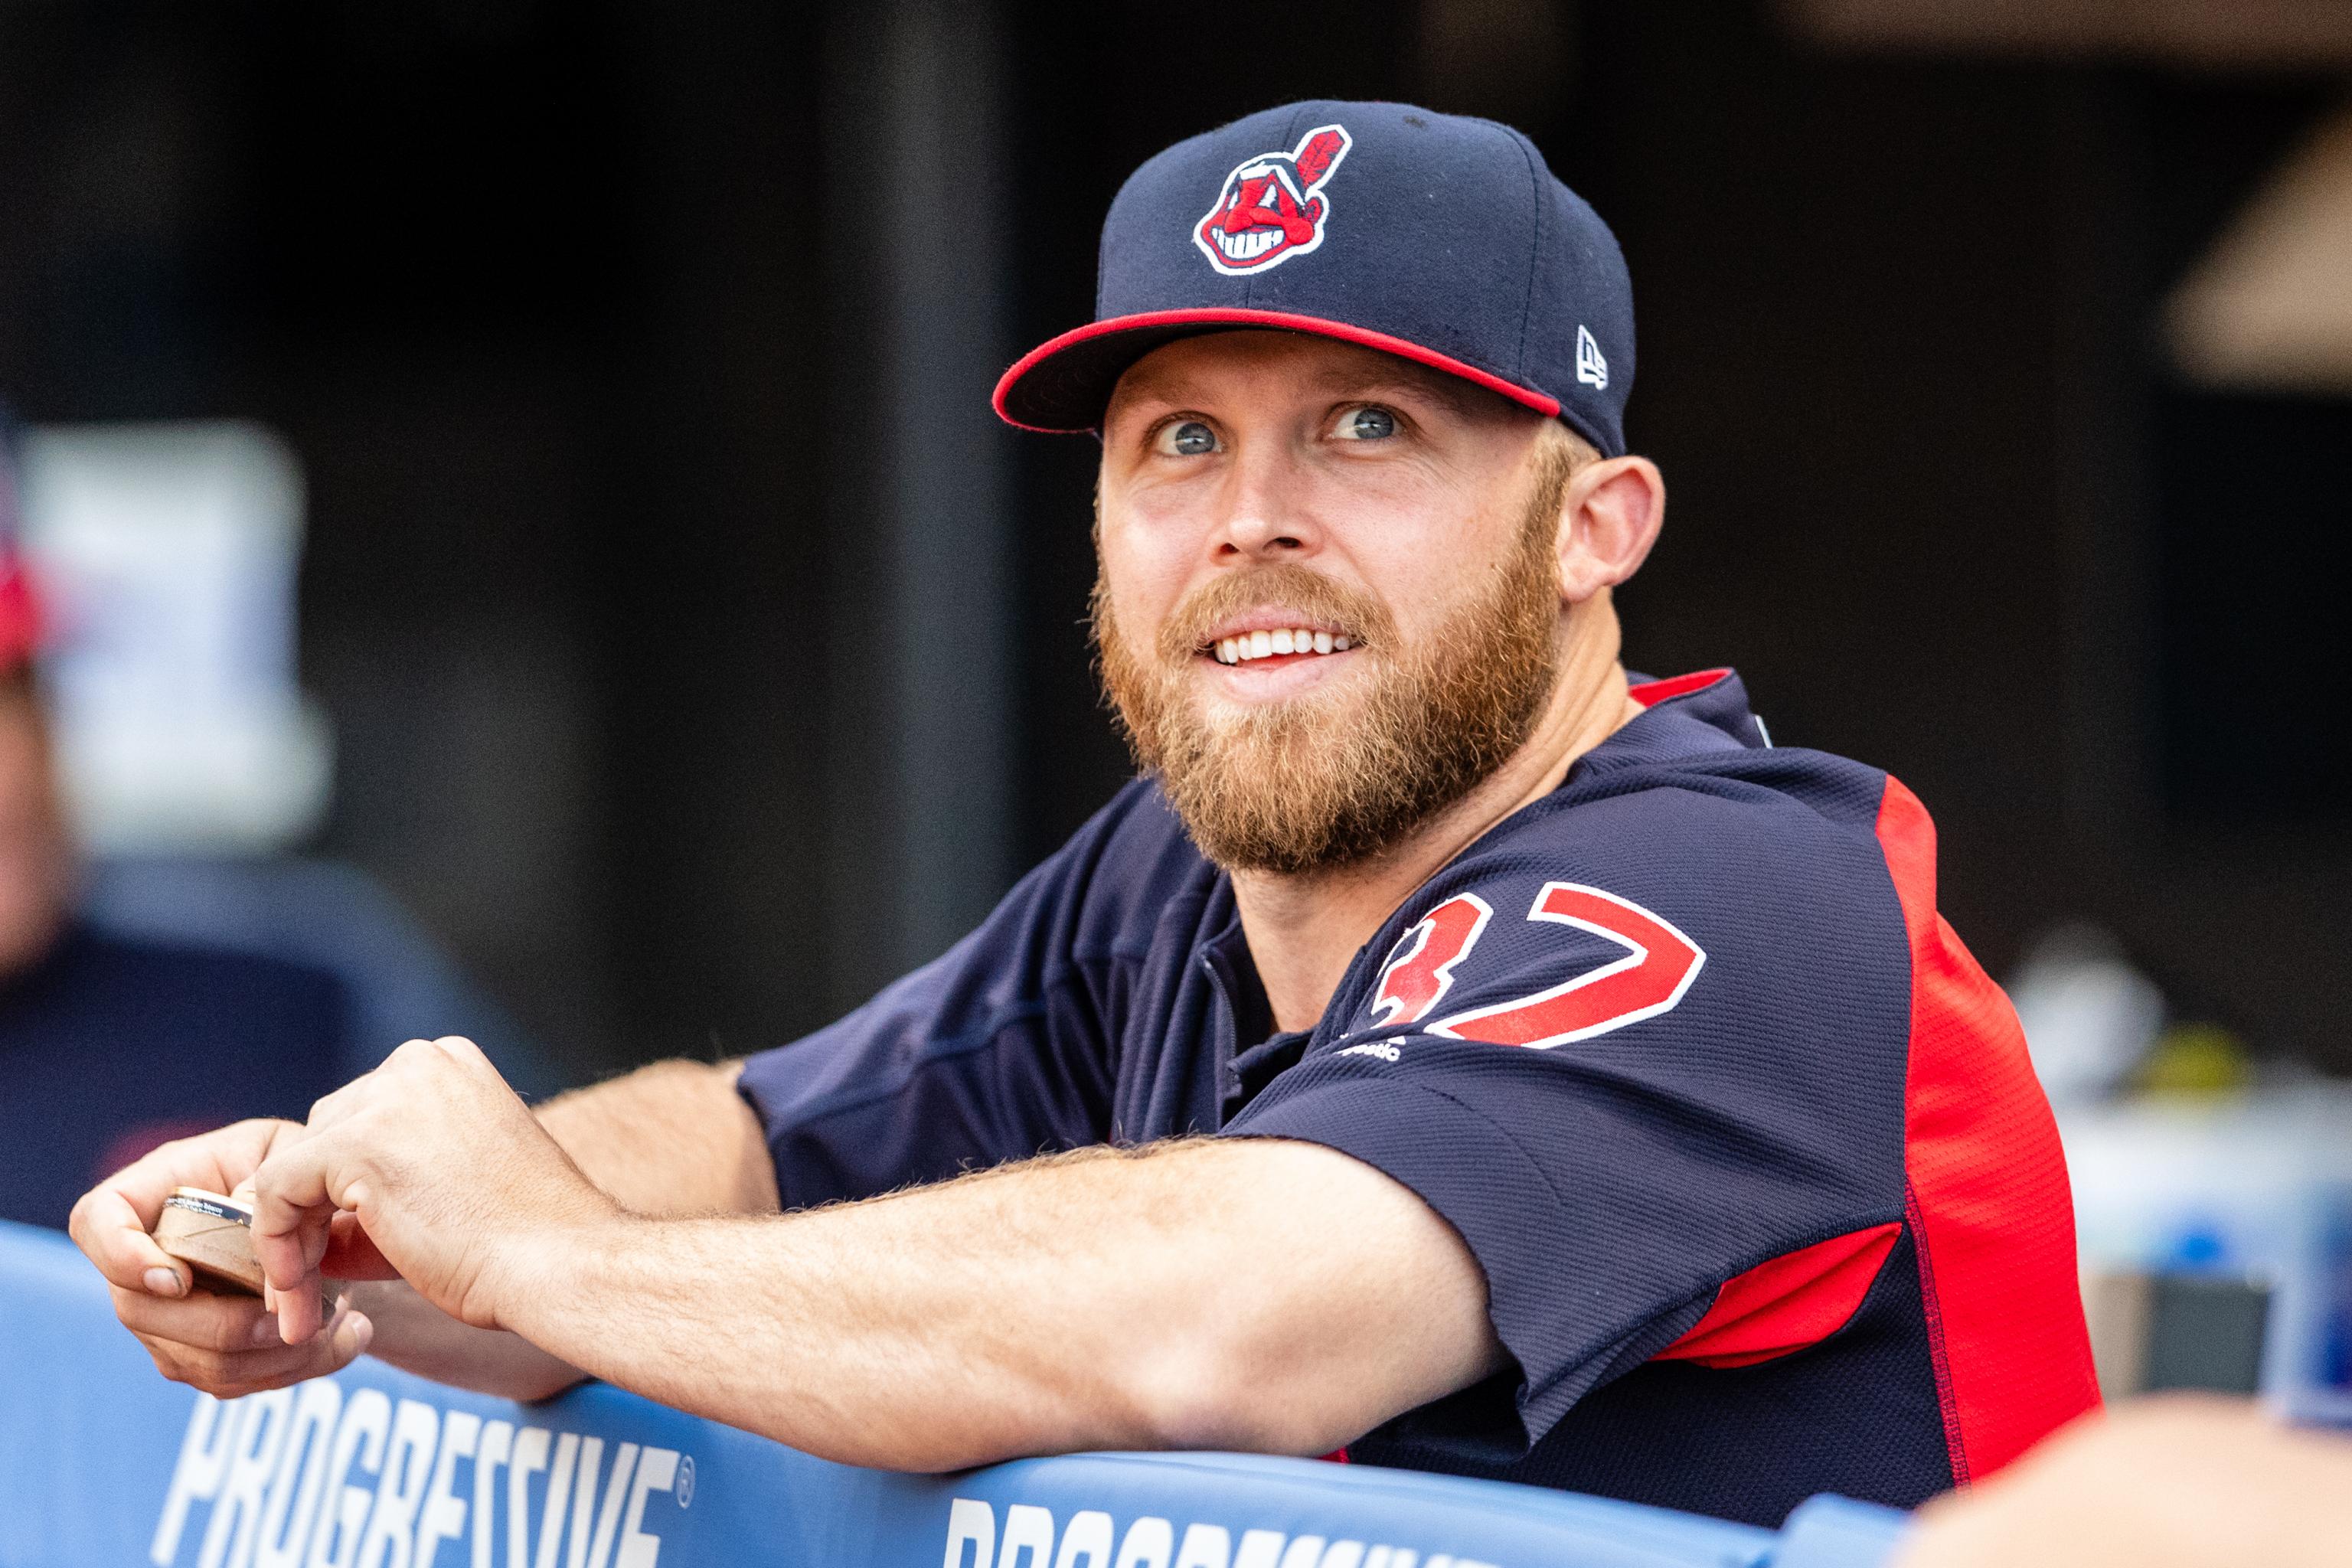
<point>227,1346</point>
<point>448,1173</point>
<point>671,1139</point>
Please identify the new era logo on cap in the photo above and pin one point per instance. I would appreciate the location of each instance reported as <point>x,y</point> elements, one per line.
<point>1590,368</point>
<point>1271,207</point>
<point>1437,238</point>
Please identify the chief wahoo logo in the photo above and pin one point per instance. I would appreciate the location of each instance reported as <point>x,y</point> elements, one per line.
<point>1273,206</point>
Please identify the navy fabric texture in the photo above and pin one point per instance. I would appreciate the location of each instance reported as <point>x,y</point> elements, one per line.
<point>111,1045</point>
<point>1441,231</point>
<point>1607,1186</point>
<point>1844,1417</point>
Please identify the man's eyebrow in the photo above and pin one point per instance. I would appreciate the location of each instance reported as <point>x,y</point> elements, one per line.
<point>1456,394</point>
<point>1337,382</point>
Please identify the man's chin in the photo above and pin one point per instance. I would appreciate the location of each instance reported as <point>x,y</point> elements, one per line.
<point>1306,728</point>
<point>1286,791</point>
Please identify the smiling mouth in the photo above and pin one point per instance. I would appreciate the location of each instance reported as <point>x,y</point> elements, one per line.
<point>1247,648</point>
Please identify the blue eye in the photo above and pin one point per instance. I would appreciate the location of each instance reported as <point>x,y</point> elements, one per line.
<point>1186,438</point>
<point>1368,424</point>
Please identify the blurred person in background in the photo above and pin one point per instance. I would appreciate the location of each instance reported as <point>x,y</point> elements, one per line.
<point>145,999</point>
<point>110,1045</point>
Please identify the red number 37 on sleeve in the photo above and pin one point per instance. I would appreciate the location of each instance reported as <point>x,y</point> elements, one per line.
<point>1659,965</point>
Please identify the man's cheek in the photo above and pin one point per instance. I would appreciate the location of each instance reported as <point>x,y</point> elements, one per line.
<point>1145,609</point>
<point>1130,618</point>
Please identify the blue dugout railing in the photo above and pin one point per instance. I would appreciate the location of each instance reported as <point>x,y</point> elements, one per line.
<point>105,1465</point>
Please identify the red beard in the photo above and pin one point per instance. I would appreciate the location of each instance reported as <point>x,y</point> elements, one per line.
<point>1335,778</point>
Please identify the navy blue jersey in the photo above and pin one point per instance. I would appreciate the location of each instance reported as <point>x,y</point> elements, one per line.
<point>1766,1198</point>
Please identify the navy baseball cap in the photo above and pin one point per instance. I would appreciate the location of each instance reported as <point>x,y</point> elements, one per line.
<point>1439,238</point>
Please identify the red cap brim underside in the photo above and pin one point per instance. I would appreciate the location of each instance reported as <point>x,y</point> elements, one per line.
<point>1063,386</point>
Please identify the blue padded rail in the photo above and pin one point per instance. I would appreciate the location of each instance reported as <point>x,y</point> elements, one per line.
<point>105,1464</point>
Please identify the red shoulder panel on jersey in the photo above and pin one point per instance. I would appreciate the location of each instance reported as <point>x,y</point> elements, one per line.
<point>1650,693</point>
<point>1786,1303</point>
<point>1990,1209</point>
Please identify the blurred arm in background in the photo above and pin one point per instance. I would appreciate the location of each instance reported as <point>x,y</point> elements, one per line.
<point>2173,1483</point>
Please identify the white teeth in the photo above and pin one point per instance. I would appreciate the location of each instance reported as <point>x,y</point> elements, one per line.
<point>1243,646</point>
<point>1247,246</point>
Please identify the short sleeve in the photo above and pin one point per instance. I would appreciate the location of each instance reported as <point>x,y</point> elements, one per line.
<point>1000,1049</point>
<point>1627,1066</point>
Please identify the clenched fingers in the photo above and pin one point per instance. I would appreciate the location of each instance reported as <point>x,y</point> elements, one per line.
<point>295,1204</point>
<point>228,1373</point>
<point>201,1321</point>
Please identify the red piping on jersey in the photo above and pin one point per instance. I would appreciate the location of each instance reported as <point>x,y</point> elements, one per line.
<point>1228,316</point>
<point>1992,1216</point>
<point>1789,1302</point>
<point>1650,693</point>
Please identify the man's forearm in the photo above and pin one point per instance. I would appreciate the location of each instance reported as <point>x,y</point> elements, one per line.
<point>415,1335</point>
<point>670,1138</point>
<point>1262,1295</point>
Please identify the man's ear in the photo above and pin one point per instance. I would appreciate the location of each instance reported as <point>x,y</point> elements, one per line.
<point>1610,514</point>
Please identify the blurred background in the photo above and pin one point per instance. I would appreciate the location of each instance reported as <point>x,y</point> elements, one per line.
<point>607,613</point>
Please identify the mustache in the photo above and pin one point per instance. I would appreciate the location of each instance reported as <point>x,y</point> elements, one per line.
<point>1315,596</point>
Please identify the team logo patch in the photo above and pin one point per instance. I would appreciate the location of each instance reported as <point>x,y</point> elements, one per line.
<point>1273,206</point>
<point>1657,967</point>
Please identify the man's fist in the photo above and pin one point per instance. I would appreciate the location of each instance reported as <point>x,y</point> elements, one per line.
<point>443,1168</point>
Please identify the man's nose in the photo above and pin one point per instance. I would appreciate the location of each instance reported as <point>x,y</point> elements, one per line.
<point>1265,514</point>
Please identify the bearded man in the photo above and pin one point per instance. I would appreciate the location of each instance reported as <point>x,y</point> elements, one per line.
<point>1450,1050</point>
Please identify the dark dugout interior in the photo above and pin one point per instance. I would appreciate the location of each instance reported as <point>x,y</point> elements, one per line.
<point>702,655</point>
